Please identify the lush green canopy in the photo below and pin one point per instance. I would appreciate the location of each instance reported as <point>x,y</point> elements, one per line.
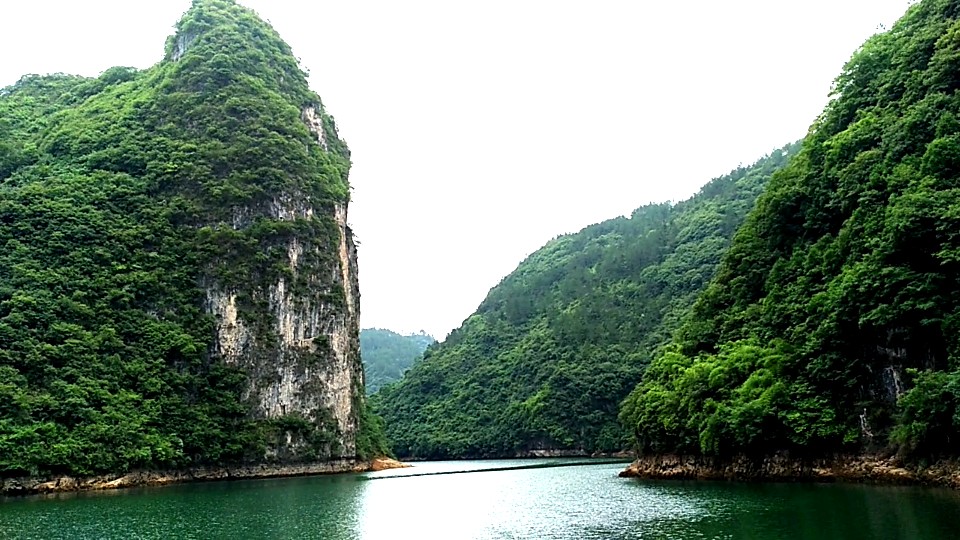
<point>553,349</point>
<point>833,323</point>
<point>118,197</point>
<point>387,355</point>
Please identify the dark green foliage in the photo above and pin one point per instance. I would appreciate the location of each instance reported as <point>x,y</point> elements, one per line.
<point>300,439</point>
<point>371,439</point>
<point>119,200</point>
<point>842,283</point>
<point>387,355</point>
<point>555,347</point>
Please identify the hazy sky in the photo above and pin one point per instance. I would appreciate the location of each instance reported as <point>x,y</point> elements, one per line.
<point>482,129</point>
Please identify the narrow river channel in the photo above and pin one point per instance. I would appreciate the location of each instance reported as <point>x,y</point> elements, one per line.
<point>469,500</point>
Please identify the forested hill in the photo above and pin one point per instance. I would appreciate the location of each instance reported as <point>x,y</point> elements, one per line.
<point>177,280</point>
<point>387,354</point>
<point>833,324</point>
<point>553,349</point>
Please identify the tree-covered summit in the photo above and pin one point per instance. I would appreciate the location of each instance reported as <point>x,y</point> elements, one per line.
<point>124,201</point>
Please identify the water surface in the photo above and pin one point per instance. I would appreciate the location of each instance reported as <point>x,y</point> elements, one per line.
<point>581,502</point>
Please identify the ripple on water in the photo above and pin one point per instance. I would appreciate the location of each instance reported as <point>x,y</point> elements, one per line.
<point>582,503</point>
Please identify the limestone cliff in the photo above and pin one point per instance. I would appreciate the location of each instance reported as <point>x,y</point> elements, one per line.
<point>179,289</point>
<point>303,360</point>
<point>289,320</point>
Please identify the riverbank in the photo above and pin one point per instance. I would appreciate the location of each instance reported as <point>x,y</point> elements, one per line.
<point>871,469</point>
<point>530,454</point>
<point>58,484</point>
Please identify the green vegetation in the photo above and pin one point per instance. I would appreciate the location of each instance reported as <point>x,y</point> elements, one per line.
<point>371,439</point>
<point>818,318</point>
<point>833,323</point>
<point>121,199</point>
<point>387,355</point>
<point>553,349</point>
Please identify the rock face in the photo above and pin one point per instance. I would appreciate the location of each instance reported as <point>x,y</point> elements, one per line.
<point>298,336</point>
<point>383,464</point>
<point>60,484</point>
<point>289,319</point>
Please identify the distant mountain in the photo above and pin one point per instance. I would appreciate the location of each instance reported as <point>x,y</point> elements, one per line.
<point>546,359</point>
<point>387,354</point>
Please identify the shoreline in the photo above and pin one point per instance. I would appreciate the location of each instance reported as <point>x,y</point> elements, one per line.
<point>873,469</point>
<point>41,485</point>
<point>533,454</point>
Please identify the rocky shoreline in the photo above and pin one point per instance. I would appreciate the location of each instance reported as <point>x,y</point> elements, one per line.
<point>781,467</point>
<point>33,485</point>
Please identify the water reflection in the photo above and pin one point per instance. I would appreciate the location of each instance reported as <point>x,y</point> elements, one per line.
<point>583,503</point>
<point>819,511</point>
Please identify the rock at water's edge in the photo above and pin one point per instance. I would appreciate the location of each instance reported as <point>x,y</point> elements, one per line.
<point>37,485</point>
<point>385,463</point>
<point>781,467</point>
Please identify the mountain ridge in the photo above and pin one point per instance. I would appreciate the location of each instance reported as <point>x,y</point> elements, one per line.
<point>545,360</point>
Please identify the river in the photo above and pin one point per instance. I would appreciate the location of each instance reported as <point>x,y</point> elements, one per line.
<point>584,501</point>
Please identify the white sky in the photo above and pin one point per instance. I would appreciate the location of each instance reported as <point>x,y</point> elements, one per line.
<point>482,129</point>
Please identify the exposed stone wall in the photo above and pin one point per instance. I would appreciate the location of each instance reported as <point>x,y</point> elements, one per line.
<point>182,44</point>
<point>313,118</point>
<point>296,334</point>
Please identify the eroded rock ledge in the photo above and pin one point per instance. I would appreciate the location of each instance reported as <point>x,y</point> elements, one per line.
<point>781,467</point>
<point>38,485</point>
<point>383,463</point>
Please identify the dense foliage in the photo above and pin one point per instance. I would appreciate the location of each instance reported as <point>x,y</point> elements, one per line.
<point>553,349</point>
<point>387,355</point>
<point>833,323</point>
<point>118,198</point>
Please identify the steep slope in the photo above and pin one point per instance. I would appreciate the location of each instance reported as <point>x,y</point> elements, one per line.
<point>832,324</point>
<point>387,355</point>
<point>546,359</point>
<point>178,284</point>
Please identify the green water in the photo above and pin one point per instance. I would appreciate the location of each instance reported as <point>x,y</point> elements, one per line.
<point>579,502</point>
